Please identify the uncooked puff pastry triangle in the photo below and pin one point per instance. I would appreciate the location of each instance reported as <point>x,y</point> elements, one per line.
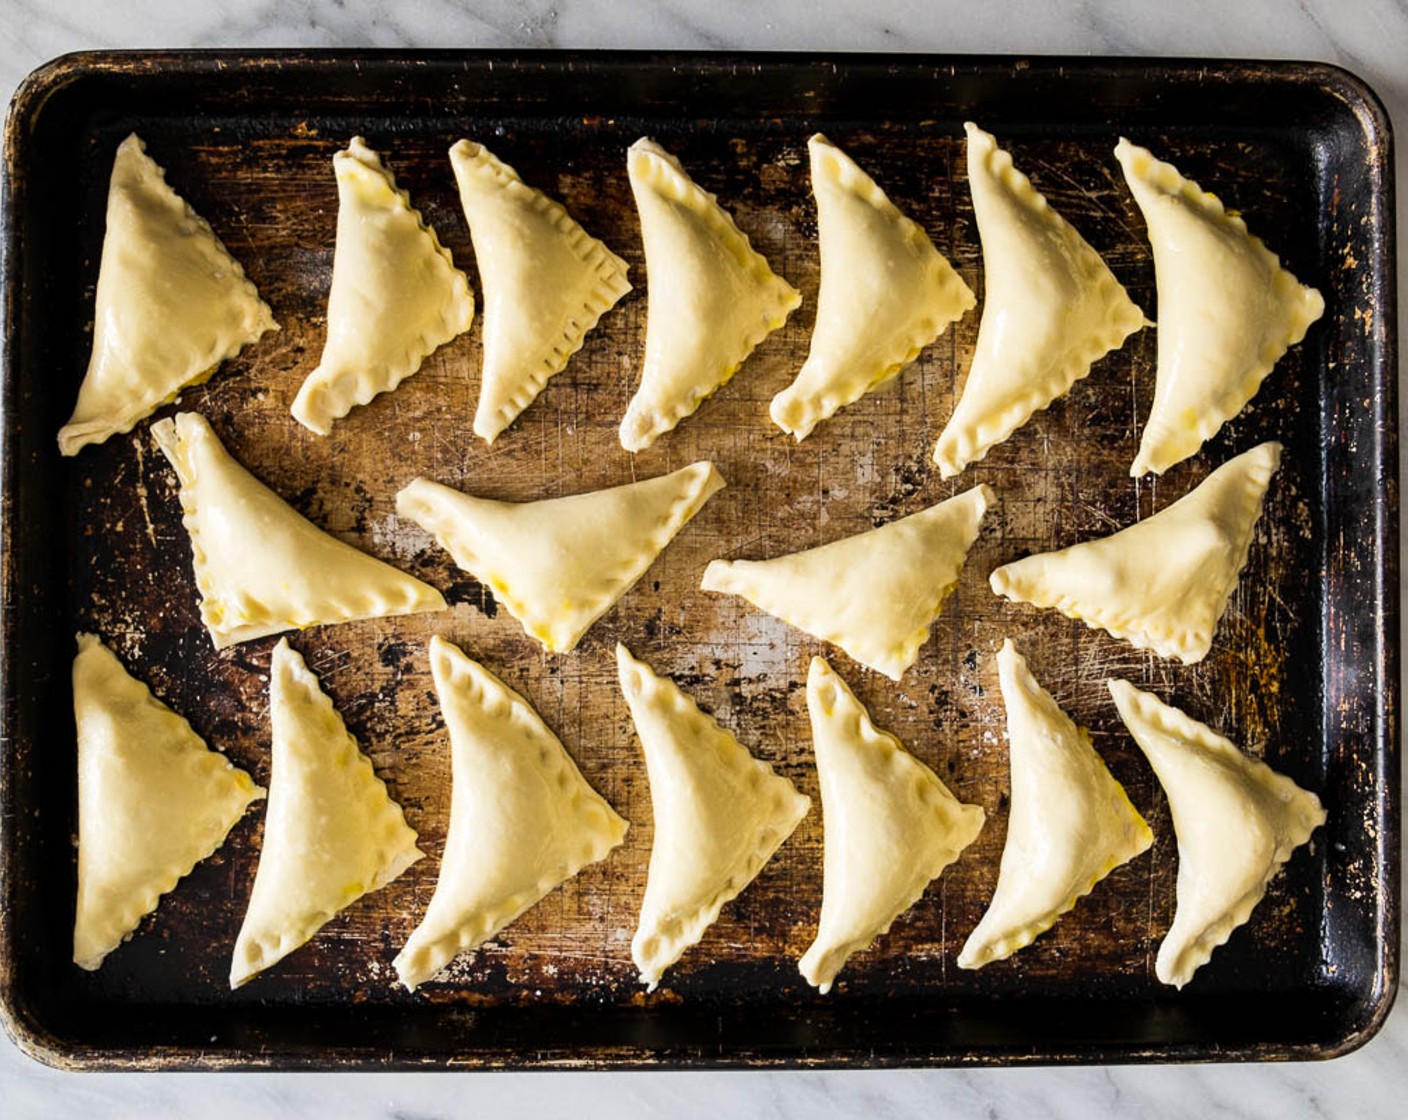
<point>260,566</point>
<point>1236,819</point>
<point>396,294</point>
<point>711,297</point>
<point>1163,583</point>
<point>1227,310</point>
<point>331,834</point>
<point>1069,826</point>
<point>172,304</point>
<point>559,564</point>
<point>523,820</point>
<point>153,801</point>
<point>886,293</point>
<point>891,826</point>
<point>719,814</point>
<point>1051,309</point>
<point>874,594</point>
<point>546,283</point>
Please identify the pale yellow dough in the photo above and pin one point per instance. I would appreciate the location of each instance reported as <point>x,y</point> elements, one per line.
<point>1227,310</point>
<point>153,801</point>
<point>1163,583</point>
<point>1236,819</point>
<point>546,283</point>
<point>172,304</point>
<point>1070,823</point>
<point>559,564</point>
<point>1051,309</point>
<point>711,296</point>
<point>396,294</point>
<point>260,566</point>
<point>332,833</point>
<point>719,814</point>
<point>874,594</point>
<point>523,820</point>
<point>891,826</point>
<point>886,293</point>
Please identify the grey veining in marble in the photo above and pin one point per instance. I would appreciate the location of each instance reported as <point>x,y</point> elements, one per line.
<point>1369,37</point>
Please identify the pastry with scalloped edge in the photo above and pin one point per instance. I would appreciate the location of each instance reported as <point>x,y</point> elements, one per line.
<point>875,594</point>
<point>711,297</point>
<point>1236,819</point>
<point>559,564</point>
<point>153,801</point>
<point>1070,823</point>
<point>886,293</point>
<point>1163,583</point>
<point>546,282</point>
<point>171,305</point>
<point>1227,310</point>
<point>719,814</point>
<point>332,833</point>
<point>260,566</point>
<point>891,826</point>
<point>1051,309</point>
<point>523,820</point>
<point>396,294</point>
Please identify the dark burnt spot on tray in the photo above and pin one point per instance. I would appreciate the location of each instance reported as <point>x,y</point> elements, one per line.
<point>469,590</point>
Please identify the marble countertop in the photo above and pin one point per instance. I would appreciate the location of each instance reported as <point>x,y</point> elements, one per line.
<point>1369,37</point>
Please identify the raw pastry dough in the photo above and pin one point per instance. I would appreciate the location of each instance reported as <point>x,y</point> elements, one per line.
<point>1051,309</point>
<point>396,294</point>
<point>1070,824</point>
<point>523,820</point>
<point>719,813</point>
<point>172,304</point>
<point>559,564</point>
<point>261,567</point>
<point>546,283</point>
<point>874,594</point>
<point>1227,310</point>
<point>331,834</point>
<point>712,297</point>
<point>1236,819</point>
<point>891,826</point>
<point>886,293</point>
<point>1161,584</point>
<point>153,801</point>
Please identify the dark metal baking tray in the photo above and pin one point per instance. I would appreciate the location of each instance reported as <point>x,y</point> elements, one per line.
<point>1305,672</point>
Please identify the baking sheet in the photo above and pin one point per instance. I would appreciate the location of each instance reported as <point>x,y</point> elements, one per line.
<point>1303,671</point>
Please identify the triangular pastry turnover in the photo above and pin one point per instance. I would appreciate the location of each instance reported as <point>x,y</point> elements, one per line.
<point>874,594</point>
<point>886,293</point>
<point>1163,583</point>
<point>260,566</point>
<point>559,564</point>
<point>1069,826</point>
<point>719,816</point>
<point>153,801</point>
<point>891,826</point>
<point>523,820</point>
<point>1227,310</point>
<point>172,304</point>
<point>546,282</point>
<point>396,294</point>
<point>331,834</point>
<point>711,296</point>
<point>1051,308</point>
<point>1236,819</point>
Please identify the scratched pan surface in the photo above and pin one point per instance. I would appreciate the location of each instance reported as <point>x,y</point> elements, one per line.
<point>1304,670</point>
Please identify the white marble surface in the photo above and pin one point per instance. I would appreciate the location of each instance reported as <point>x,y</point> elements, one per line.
<point>1367,36</point>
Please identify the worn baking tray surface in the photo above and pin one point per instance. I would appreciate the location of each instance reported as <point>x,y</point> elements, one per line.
<point>1304,671</point>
